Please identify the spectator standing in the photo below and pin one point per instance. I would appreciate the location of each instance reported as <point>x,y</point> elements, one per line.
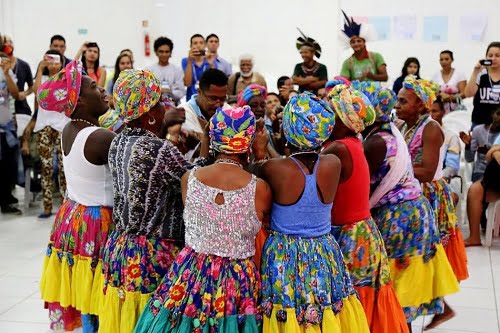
<point>169,75</point>
<point>451,82</point>
<point>213,44</point>
<point>245,77</point>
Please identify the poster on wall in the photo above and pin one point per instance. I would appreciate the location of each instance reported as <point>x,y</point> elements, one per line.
<point>436,28</point>
<point>382,25</point>
<point>472,27</point>
<point>405,27</point>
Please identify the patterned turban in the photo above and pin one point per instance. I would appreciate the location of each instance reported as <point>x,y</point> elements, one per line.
<point>252,90</point>
<point>307,121</point>
<point>424,89</point>
<point>135,92</point>
<point>382,99</point>
<point>60,92</point>
<point>232,130</point>
<point>352,107</point>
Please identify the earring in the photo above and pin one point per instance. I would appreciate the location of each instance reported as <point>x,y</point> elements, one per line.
<point>151,122</point>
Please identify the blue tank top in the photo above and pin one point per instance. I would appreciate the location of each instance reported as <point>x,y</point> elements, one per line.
<point>309,217</point>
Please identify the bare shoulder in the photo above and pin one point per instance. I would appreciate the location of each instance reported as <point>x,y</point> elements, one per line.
<point>102,136</point>
<point>330,160</point>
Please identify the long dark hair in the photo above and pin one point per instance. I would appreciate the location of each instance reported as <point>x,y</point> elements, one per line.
<point>492,44</point>
<point>117,65</point>
<point>96,64</point>
<point>411,60</point>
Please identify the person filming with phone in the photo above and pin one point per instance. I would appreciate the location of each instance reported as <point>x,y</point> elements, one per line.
<point>197,61</point>
<point>49,126</point>
<point>484,85</point>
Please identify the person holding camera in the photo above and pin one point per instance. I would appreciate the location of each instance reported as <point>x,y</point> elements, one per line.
<point>197,61</point>
<point>479,142</point>
<point>8,138</point>
<point>49,126</point>
<point>484,85</point>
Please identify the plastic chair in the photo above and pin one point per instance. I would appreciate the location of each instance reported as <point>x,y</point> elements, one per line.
<point>492,222</point>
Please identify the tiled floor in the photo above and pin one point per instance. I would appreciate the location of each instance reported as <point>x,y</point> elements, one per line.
<point>22,245</point>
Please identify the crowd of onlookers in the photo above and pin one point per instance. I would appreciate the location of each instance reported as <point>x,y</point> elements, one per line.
<point>40,149</point>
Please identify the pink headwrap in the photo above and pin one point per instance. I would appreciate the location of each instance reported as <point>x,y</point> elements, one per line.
<point>252,90</point>
<point>60,92</point>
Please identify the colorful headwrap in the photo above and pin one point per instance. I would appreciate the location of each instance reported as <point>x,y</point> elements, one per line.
<point>353,107</point>
<point>308,41</point>
<point>111,120</point>
<point>307,121</point>
<point>135,92</point>
<point>382,99</point>
<point>425,90</point>
<point>232,130</point>
<point>60,92</point>
<point>252,90</point>
<point>336,81</point>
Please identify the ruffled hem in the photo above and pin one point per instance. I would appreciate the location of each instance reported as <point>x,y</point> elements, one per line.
<point>457,256</point>
<point>78,285</point>
<point>350,319</point>
<point>383,311</point>
<point>419,282</point>
<point>185,324</point>
<point>121,310</point>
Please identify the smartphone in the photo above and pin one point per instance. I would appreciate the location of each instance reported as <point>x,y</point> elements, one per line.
<point>201,52</point>
<point>53,58</point>
<point>485,62</point>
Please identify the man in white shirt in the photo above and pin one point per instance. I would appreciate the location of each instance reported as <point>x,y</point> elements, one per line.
<point>170,76</point>
<point>221,64</point>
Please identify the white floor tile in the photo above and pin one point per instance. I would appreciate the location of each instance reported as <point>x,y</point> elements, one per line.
<point>37,314</point>
<point>21,327</point>
<point>473,298</point>
<point>8,302</point>
<point>472,320</point>
<point>18,286</point>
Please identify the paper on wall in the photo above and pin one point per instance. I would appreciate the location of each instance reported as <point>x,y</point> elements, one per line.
<point>382,25</point>
<point>436,28</point>
<point>405,27</point>
<point>472,27</point>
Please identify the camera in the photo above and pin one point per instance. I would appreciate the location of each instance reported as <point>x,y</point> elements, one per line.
<point>485,62</point>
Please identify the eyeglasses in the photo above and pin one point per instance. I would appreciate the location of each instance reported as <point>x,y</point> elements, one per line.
<point>215,99</point>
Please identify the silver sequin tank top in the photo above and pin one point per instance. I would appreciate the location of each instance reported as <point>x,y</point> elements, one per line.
<point>226,230</point>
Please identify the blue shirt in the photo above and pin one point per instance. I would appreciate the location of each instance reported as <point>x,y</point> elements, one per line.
<point>197,72</point>
<point>224,66</point>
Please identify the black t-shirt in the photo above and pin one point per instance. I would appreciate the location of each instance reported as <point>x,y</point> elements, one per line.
<point>24,76</point>
<point>486,101</point>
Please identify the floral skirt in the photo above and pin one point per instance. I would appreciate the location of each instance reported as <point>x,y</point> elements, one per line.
<point>133,266</point>
<point>420,271</point>
<point>366,259</point>
<point>72,276</point>
<point>439,195</point>
<point>305,283</point>
<point>205,293</point>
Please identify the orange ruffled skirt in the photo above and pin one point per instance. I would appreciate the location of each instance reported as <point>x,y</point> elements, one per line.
<point>368,264</point>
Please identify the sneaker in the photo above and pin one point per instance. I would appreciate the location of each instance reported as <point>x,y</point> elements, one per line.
<point>10,210</point>
<point>44,215</point>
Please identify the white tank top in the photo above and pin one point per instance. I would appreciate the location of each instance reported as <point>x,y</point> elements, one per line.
<point>87,183</point>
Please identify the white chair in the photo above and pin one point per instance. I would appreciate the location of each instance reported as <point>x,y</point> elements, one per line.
<point>456,122</point>
<point>492,222</point>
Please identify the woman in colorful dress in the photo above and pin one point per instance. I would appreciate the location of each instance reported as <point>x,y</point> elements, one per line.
<point>420,271</point>
<point>214,285</point>
<point>425,139</point>
<point>352,223</point>
<point>72,279</point>
<point>149,230</point>
<point>305,280</point>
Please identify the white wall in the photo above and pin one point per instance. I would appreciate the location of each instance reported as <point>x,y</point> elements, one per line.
<point>267,29</point>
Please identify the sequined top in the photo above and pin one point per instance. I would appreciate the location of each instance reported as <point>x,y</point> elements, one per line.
<point>408,187</point>
<point>146,174</point>
<point>226,230</point>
